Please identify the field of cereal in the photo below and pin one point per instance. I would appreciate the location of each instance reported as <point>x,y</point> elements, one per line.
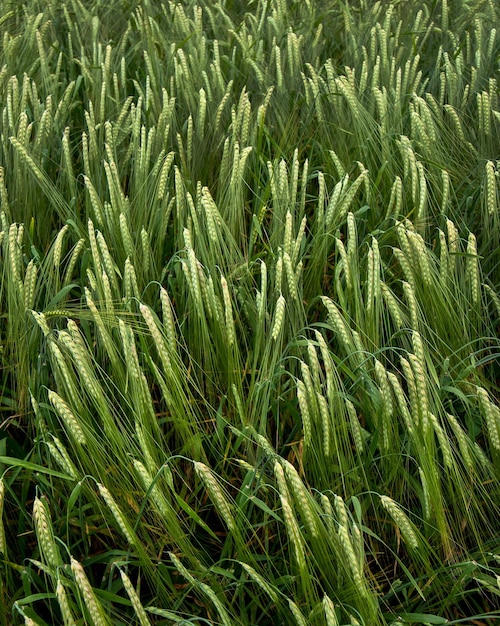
<point>249,312</point>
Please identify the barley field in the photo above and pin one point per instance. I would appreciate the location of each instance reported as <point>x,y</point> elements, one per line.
<point>250,312</point>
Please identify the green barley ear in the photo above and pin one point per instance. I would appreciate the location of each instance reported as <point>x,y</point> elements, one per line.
<point>337,321</point>
<point>4,200</point>
<point>473,269</point>
<point>228,309</point>
<point>161,504</point>
<point>135,600</point>
<point>77,250</point>
<point>352,561</point>
<point>421,382</point>
<point>57,248</point>
<point>491,189</point>
<point>161,345</point>
<point>94,607</point>
<point>329,608</point>
<point>294,533</point>
<point>45,534</point>
<point>300,620</point>
<point>260,581</point>
<point>494,298</point>
<point>28,621</point>
<point>325,422</point>
<point>71,422</point>
<point>117,513</point>
<point>305,413</point>
<point>205,589</point>
<point>392,305</point>
<point>66,611</point>
<point>401,521</point>
<point>42,179</point>
<point>464,443</point>
<point>216,494</point>
<point>443,440</point>
<point>426,499</point>
<point>131,286</point>
<point>345,262</point>
<point>278,318</point>
<point>30,284</point>
<point>290,275</point>
<point>168,319</point>
<point>453,243</point>
<point>303,499</point>
<point>60,455</point>
<point>292,527</point>
<point>491,414</point>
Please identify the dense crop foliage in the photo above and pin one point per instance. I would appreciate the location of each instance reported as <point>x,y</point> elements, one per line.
<point>250,307</point>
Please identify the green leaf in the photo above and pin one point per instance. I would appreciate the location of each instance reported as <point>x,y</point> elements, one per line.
<point>262,505</point>
<point>422,618</point>
<point>195,517</point>
<point>9,460</point>
<point>73,496</point>
<point>36,597</point>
